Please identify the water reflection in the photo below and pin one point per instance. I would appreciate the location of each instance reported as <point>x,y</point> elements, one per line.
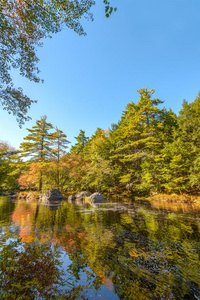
<point>121,251</point>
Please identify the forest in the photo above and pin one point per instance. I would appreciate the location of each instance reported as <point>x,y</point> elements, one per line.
<point>150,150</point>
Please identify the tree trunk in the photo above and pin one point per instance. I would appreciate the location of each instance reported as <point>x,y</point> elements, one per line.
<point>40,183</point>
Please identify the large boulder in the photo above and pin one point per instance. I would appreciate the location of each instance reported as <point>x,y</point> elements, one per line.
<point>52,195</point>
<point>96,198</point>
<point>83,194</point>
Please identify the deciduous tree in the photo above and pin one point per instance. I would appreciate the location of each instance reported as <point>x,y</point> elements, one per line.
<point>23,26</point>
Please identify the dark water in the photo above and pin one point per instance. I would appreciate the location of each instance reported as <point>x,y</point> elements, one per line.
<point>116,250</point>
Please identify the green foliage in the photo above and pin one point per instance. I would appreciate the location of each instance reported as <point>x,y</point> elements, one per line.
<point>37,141</point>
<point>8,168</point>
<point>59,143</point>
<point>149,150</point>
<point>45,148</point>
<point>108,8</point>
<point>98,171</point>
<point>137,137</point>
<point>23,25</point>
<point>81,142</point>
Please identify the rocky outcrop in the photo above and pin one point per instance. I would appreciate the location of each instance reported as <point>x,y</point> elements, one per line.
<point>83,194</point>
<point>96,198</point>
<point>52,195</point>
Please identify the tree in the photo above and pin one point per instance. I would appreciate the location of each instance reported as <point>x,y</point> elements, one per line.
<point>98,171</point>
<point>36,144</point>
<point>23,25</point>
<point>30,179</point>
<point>184,153</point>
<point>8,167</point>
<point>137,139</point>
<point>155,168</point>
<point>81,141</point>
<point>59,143</point>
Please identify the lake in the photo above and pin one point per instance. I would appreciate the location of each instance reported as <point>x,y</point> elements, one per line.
<point>116,250</point>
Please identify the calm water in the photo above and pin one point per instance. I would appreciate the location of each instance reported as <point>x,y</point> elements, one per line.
<point>116,250</point>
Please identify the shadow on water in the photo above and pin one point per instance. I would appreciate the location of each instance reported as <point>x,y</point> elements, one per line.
<point>117,250</point>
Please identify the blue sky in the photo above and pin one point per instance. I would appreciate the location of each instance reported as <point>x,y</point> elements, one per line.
<point>88,80</point>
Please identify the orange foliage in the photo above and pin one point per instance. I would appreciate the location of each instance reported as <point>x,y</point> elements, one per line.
<point>109,284</point>
<point>24,234</point>
<point>30,179</point>
<point>23,216</point>
<point>69,228</point>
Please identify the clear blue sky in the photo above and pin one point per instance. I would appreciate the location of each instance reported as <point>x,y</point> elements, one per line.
<point>89,80</point>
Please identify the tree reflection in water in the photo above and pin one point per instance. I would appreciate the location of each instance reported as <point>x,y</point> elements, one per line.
<point>138,252</point>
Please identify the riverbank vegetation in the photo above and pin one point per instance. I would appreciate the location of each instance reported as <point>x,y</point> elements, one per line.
<point>149,151</point>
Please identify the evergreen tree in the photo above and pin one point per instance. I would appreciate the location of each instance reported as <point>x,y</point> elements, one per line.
<point>81,141</point>
<point>137,136</point>
<point>98,170</point>
<point>37,143</point>
<point>155,167</point>
<point>59,144</point>
<point>185,150</point>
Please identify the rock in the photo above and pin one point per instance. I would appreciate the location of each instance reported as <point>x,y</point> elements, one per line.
<point>71,198</point>
<point>32,197</point>
<point>52,195</point>
<point>13,196</point>
<point>80,201</point>
<point>83,194</point>
<point>96,198</point>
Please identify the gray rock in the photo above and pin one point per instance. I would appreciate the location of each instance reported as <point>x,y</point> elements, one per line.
<point>80,201</point>
<point>96,198</point>
<point>71,198</point>
<point>52,195</point>
<point>32,197</point>
<point>13,196</point>
<point>83,194</point>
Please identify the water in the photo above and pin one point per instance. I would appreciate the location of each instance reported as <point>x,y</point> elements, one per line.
<point>116,250</point>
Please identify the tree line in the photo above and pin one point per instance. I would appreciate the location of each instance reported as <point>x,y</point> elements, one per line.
<point>150,149</point>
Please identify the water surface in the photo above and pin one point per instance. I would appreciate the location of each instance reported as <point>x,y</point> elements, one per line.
<point>116,250</point>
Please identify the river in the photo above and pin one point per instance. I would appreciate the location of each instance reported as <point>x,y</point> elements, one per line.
<point>116,250</point>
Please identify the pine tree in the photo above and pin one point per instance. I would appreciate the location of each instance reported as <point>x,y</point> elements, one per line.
<point>81,141</point>
<point>37,143</point>
<point>59,144</point>
<point>98,170</point>
<point>185,150</point>
<point>155,168</point>
<point>137,140</point>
